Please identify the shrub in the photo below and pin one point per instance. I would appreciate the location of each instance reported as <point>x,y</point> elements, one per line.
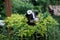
<point>21,28</point>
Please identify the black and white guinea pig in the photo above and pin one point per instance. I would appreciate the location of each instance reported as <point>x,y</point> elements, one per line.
<point>32,16</point>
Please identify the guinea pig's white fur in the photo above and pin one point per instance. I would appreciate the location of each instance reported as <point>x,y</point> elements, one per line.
<point>29,12</point>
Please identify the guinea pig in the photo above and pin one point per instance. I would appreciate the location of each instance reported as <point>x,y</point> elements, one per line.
<point>31,16</point>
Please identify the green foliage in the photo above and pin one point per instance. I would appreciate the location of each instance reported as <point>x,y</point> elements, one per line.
<point>54,32</point>
<point>39,8</point>
<point>15,20</point>
<point>21,28</point>
<point>42,2</point>
<point>20,6</point>
<point>54,2</point>
<point>2,37</point>
<point>2,9</point>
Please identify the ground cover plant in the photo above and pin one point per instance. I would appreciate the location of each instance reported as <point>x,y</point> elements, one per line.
<point>18,27</point>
